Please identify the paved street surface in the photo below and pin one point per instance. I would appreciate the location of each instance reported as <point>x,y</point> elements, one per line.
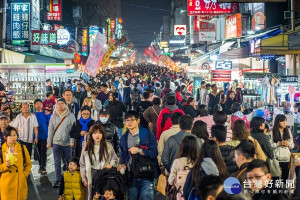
<point>40,187</point>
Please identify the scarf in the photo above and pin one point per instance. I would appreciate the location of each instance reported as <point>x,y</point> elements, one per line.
<point>84,124</point>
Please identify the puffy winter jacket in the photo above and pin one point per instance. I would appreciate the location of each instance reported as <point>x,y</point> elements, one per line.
<point>227,152</point>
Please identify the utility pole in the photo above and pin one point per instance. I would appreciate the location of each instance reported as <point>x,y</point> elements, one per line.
<point>294,62</point>
<point>3,7</point>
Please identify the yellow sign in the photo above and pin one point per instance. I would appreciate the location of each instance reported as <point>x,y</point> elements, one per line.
<point>164,44</point>
<point>111,49</point>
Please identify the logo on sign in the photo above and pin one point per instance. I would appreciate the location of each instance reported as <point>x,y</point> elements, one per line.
<point>180,30</point>
<point>63,36</point>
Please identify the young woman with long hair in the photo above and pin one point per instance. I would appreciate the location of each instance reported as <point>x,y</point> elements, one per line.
<point>209,162</point>
<point>240,132</point>
<point>282,143</point>
<point>97,154</point>
<point>200,130</point>
<point>89,102</point>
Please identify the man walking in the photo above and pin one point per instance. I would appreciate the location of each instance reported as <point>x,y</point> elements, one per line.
<point>60,126</point>
<point>26,124</point>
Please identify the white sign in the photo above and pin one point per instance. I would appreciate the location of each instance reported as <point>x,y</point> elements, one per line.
<point>179,29</point>
<point>207,36</point>
<point>63,36</point>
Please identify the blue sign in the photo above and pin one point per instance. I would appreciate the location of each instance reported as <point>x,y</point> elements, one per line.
<point>20,21</point>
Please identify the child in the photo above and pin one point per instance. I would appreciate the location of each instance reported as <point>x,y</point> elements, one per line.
<point>109,194</point>
<point>71,185</point>
<point>43,121</point>
<point>48,103</point>
<point>110,129</point>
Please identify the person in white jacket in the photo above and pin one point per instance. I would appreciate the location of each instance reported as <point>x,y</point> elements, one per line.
<point>282,143</point>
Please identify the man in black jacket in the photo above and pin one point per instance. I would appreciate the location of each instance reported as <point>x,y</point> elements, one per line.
<point>141,107</point>
<point>218,134</point>
<point>110,129</point>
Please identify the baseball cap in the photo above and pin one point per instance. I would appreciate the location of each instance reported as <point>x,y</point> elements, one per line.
<point>4,115</point>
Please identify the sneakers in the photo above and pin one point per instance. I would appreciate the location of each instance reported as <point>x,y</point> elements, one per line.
<point>40,170</point>
<point>56,184</point>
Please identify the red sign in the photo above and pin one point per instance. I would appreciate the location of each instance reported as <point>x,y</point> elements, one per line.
<point>210,7</point>
<point>258,22</point>
<point>207,27</point>
<point>221,75</point>
<point>233,26</point>
<point>55,11</point>
<point>196,24</point>
<point>44,37</point>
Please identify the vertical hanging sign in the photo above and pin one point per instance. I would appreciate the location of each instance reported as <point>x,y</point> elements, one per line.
<point>55,11</point>
<point>20,21</point>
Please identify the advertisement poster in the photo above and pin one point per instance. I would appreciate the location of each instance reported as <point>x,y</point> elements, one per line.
<point>207,27</point>
<point>111,49</point>
<point>20,21</point>
<point>207,36</point>
<point>221,75</point>
<point>210,7</point>
<point>55,11</point>
<point>197,84</point>
<point>93,31</point>
<point>233,26</point>
<point>42,37</point>
<point>95,57</point>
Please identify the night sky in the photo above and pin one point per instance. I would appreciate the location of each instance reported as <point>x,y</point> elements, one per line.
<point>142,18</point>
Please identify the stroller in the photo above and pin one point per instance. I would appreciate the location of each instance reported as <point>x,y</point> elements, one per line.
<point>110,179</point>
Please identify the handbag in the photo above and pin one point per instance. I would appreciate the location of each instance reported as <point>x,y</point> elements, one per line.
<point>171,191</point>
<point>162,184</point>
<point>274,167</point>
<point>141,166</point>
<point>36,153</point>
<point>283,154</point>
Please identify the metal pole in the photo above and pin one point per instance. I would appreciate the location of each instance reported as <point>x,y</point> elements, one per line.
<point>4,24</point>
<point>294,63</point>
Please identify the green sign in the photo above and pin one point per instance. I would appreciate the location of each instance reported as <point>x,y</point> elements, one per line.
<point>18,42</point>
<point>70,71</point>
<point>167,53</point>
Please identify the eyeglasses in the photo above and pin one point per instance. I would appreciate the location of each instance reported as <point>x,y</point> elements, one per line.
<point>255,177</point>
<point>130,120</point>
<point>85,113</point>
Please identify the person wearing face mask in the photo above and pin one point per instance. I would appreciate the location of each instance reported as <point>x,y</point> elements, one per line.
<point>110,129</point>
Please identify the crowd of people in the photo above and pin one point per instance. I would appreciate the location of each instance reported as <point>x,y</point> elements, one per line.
<point>145,124</point>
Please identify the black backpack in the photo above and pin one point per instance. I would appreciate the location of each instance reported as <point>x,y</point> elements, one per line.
<point>135,96</point>
<point>141,166</point>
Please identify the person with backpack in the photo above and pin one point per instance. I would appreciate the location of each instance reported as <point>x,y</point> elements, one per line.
<point>139,158</point>
<point>151,114</point>
<point>185,160</point>
<point>135,96</point>
<point>164,118</point>
<point>15,166</point>
<point>209,162</point>
<point>142,107</point>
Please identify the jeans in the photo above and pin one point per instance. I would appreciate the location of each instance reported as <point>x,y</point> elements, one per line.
<point>120,132</point>
<point>43,153</point>
<point>58,151</point>
<point>28,147</point>
<point>140,188</point>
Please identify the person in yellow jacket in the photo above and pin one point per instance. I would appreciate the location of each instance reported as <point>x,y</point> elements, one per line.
<point>15,166</point>
<point>71,187</point>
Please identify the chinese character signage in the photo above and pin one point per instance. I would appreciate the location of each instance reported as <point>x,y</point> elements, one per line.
<point>179,29</point>
<point>221,75</point>
<point>211,7</point>
<point>93,31</point>
<point>233,26</point>
<point>96,55</point>
<point>55,11</point>
<point>206,26</point>
<point>20,21</point>
<point>42,37</point>
<point>84,41</point>
<point>111,49</point>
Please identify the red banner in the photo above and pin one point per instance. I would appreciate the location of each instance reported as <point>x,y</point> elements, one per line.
<point>55,11</point>
<point>210,7</point>
<point>44,37</point>
<point>233,26</point>
<point>221,75</point>
<point>207,27</point>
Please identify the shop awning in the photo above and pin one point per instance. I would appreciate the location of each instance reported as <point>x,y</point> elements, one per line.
<point>50,52</point>
<point>277,45</point>
<point>12,57</point>
<point>204,56</point>
<point>225,47</point>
